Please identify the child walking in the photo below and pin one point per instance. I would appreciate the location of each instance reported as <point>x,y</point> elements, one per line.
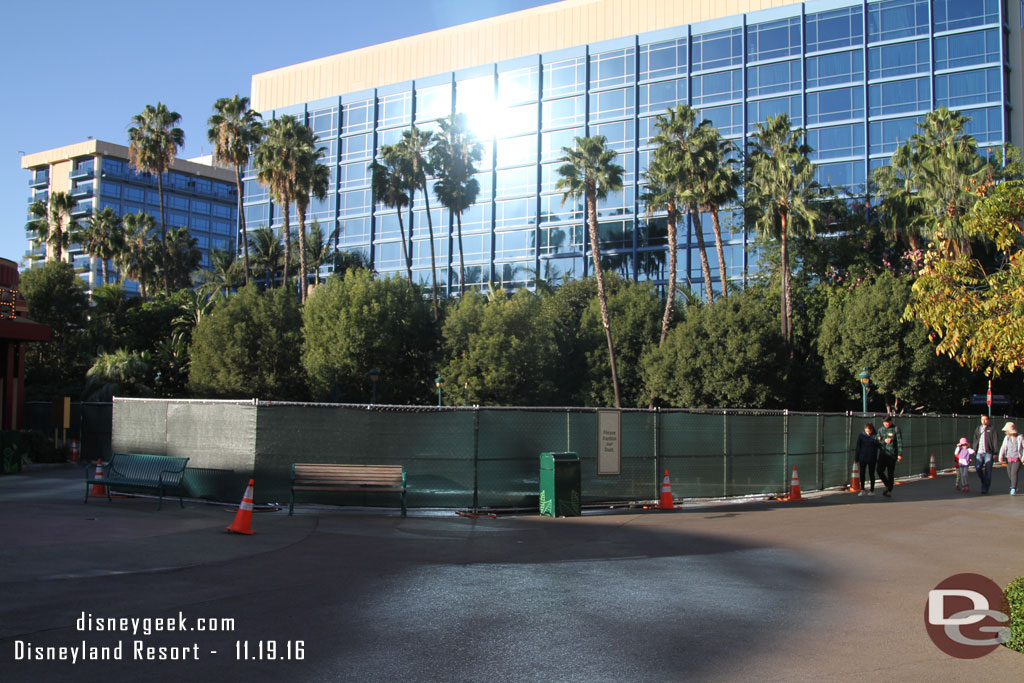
<point>1012,450</point>
<point>963,454</point>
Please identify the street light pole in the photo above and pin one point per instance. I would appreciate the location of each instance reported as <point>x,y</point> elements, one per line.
<point>440,383</point>
<point>374,376</point>
<point>865,378</point>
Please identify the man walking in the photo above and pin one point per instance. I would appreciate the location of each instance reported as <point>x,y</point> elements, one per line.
<point>891,452</point>
<point>985,448</point>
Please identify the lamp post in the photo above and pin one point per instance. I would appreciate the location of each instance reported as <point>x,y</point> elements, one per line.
<point>865,378</point>
<point>440,383</point>
<point>374,376</point>
<point>466,402</point>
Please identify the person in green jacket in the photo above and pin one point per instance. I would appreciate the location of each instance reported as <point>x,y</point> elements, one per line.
<point>891,452</point>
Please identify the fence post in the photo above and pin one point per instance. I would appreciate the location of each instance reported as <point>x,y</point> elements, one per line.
<point>476,459</point>
<point>725,453</point>
<point>821,452</point>
<point>657,450</point>
<point>785,450</point>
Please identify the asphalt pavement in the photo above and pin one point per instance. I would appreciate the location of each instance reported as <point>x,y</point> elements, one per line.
<point>830,588</point>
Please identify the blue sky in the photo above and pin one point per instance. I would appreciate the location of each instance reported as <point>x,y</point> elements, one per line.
<point>69,70</point>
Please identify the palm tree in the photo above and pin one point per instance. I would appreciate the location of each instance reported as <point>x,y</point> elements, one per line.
<point>414,147</point>
<point>779,190</point>
<point>683,138</point>
<point>102,238</point>
<point>136,259</point>
<point>588,170</point>
<point>267,256</point>
<point>154,139</point>
<point>454,155</point>
<point>318,248</point>
<point>716,184</point>
<point>234,131</point>
<point>53,224</point>
<point>312,179</point>
<point>664,180</point>
<point>224,274</point>
<point>389,188</point>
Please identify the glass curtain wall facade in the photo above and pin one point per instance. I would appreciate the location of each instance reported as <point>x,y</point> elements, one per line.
<point>206,206</point>
<point>858,75</point>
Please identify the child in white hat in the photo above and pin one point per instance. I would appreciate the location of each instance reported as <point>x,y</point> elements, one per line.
<point>1012,450</point>
<point>963,454</point>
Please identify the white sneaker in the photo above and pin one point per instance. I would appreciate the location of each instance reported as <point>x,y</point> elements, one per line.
<point>860,494</point>
<point>871,493</point>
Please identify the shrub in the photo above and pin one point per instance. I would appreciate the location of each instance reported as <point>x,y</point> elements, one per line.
<point>1015,600</point>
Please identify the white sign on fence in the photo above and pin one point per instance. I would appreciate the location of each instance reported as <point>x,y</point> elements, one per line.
<point>609,430</point>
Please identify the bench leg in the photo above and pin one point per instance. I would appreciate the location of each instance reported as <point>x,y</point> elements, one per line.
<point>403,502</point>
<point>291,503</point>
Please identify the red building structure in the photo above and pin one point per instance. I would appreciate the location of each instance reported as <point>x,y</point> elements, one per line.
<point>15,331</point>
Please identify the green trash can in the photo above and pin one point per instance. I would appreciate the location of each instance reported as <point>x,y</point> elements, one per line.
<point>560,484</point>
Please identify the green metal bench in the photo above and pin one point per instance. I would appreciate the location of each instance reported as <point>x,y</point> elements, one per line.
<point>137,470</point>
<point>347,478</point>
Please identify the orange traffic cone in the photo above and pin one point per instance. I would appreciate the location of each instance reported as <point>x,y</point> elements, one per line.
<point>855,478</point>
<point>666,502</point>
<point>243,518</point>
<point>794,486</point>
<point>98,490</point>
<point>932,474</point>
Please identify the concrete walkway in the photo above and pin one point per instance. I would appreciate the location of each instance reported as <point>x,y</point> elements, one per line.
<point>831,588</point>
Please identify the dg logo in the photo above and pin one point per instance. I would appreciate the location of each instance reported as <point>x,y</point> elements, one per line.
<point>966,616</point>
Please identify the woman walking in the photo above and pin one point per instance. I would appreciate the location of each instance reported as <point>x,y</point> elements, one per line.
<point>1011,450</point>
<point>866,458</point>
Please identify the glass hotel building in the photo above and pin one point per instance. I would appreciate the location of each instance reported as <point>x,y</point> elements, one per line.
<point>197,195</point>
<point>858,75</point>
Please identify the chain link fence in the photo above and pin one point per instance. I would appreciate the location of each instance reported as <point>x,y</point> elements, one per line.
<point>489,457</point>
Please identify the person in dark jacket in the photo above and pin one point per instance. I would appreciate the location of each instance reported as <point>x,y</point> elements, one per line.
<point>866,458</point>
<point>890,452</point>
<point>985,449</point>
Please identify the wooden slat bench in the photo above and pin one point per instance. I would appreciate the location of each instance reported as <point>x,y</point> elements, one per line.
<point>347,479</point>
<point>137,470</point>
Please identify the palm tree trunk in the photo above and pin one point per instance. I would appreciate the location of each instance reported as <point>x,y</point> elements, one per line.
<point>602,298</point>
<point>670,291</point>
<point>717,227</point>
<point>784,272</point>
<point>705,266</point>
<point>405,247</point>
<point>163,231</point>
<point>433,264</point>
<point>302,252</point>
<point>287,241</point>
<point>104,270</point>
<point>462,257</point>
<point>241,221</point>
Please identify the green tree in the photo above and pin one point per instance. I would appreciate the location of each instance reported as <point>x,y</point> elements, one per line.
<point>973,312</point>
<point>715,185</point>
<point>414,148</point>
<point>320,249</point>
<point>103,239</point>
<point>390,189</point>
<point>500,352</point>
<point>355,322</point>
<point>564,308</point>
<point>53,224</point>
<point>249,347</point>
<point>928,188</point>
<point>312,179</point>
<point>181,258</point>
<point>224,275</point>
<point>278,159</point>
<point>588,171</point>
<point>267,254</point>
<point>726,355</point>
<point>57,297</point>
<point>234,131</point>
<point>862,328</point>
<point>135,260</point>
<point>665,180</point>
<point>119,373</point>
<point>154,140</point>
<point>454,156</point>
<point>636,317</point>
<point>779,190</point>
